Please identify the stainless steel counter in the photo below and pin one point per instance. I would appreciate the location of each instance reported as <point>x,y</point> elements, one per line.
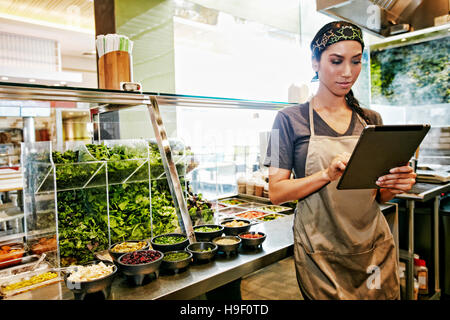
<point>198,278</point>
<point>422,192</point>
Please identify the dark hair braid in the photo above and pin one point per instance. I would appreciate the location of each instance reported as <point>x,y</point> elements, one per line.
<point>354,104</point>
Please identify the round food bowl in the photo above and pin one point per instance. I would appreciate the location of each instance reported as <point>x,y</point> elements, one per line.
<point>181,245</point>
<point>116,255</point>
<point>81,288</point>
<point>227,248</point>
<point>205,236</point>
<point>137,272</point>
<point>178,264</point>
<point>234,231</point>
<point>252,242</point>
<point>202,251</point>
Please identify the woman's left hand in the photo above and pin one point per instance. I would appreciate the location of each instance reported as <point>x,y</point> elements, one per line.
<point>399,180</point>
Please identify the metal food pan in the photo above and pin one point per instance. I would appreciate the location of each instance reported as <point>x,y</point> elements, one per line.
<point>280,215</point>
<point>243,217</point>
<point>225,201</point>
<point>280,208</point>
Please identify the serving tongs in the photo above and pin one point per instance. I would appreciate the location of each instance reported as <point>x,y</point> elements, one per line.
<point>42,257</point>
<point>66,270</point>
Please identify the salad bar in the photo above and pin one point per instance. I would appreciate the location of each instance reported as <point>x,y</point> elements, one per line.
<point>137,260</point>
<point>199,268</point>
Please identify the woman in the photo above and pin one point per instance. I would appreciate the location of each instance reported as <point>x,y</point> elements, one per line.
<point>343,247</point>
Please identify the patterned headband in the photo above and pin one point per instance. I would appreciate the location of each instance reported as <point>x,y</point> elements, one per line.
<point>338,32</point>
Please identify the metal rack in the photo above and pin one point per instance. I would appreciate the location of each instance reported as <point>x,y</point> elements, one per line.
<point>422,192</point>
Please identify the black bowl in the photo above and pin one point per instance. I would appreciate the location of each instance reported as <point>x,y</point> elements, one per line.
<point>116,255</point>
<point>207,236</point>
<point>198,255</point>
<point>234,231</point>
<point>248,242</point>
<point>228,248</point>
<point>179,264</point>
<point>170,247</point>
<point>81,288</point>
<point>137,272</point>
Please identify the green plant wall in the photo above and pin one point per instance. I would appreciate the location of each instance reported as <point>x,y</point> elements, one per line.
<point>413,74</point>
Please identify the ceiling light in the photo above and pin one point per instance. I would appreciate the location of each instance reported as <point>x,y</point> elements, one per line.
<point>32,80</point>
<point>63,82</point>
<point>57,84</point>
<point>5,78</point>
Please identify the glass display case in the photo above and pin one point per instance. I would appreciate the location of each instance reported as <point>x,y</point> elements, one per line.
<point>89,196</point>
<point>79,198</point>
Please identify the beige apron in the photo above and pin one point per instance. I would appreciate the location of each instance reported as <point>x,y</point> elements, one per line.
<point>343,246</point>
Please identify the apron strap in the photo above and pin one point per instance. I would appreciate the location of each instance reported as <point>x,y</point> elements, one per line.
<point>311,120</point>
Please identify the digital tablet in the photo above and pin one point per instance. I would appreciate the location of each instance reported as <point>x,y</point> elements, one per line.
<point>379,149</point>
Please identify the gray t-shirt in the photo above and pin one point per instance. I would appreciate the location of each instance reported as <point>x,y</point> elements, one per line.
<point>292,126</point>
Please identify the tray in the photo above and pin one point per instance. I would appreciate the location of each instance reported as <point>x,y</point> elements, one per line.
<point>12,258</point>
<point>231,210</point>
<point>237,201</point>
<point>278,215</point>
<point>25,262</point>
<point>276,209</point>
<point>242,214</point>
<point>25,276</point>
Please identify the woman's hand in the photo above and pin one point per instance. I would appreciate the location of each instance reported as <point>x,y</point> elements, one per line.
<point>399,180</point>
<point>337,166</point>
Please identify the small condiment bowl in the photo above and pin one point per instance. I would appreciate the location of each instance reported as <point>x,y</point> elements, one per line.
<point>234,231</point>
<point>196,247</point>
<point>116,255</point>
<point>207,236</point>
<point>81,288</point>
<point>228,248</point>
<point>137,272</point>
<point>170,247</point>
<point>178,264</point>
<point>252,242</point>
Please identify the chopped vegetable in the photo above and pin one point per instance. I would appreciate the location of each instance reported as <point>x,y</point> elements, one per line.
<point>140,257</point>
<point>251,236</point>
<point>233,201</point>
<point>169,239</point>
<point>44,245</point>
<point>32,281</point>
<point>270,217</point>
<point>251,214</point>
<point>235,223</point>
<point>128,246</point>
<point>207,229</point>
<point>226,241</point>
<point>273,208</point>
<point>91,272</point>
<point>176,256</point>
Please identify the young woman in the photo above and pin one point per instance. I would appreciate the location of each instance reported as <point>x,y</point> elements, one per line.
<point>343,247</point>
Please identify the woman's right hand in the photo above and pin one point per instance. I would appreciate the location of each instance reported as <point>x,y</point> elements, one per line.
<point>337,166</point>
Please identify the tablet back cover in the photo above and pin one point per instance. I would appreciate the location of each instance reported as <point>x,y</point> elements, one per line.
<point>379,149</point>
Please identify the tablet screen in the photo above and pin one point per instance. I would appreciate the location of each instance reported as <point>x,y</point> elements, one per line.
<point>379,149</point>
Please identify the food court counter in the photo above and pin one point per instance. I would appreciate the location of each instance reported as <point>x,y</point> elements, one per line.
<point>200,278</point>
